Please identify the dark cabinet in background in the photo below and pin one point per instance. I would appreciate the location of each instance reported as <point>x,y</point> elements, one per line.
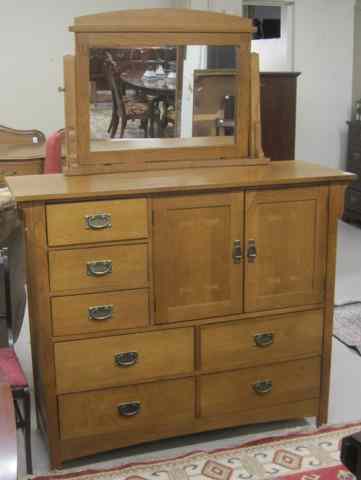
<point>278,114</point>
<point>353,164</point>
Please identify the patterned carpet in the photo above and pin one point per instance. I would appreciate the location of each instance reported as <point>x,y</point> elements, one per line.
<point>347,325</point>
<point>307,456</point>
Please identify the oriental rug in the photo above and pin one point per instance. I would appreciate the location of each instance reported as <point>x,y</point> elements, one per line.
<point>302,456</point>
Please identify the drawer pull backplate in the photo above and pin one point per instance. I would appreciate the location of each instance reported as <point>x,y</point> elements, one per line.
<point>100,312</point>
<point>262,387</point>
<point>129,409</point>
<point>126,359</point>
<point>99,268</point>
<point>237,252</point>
<point>99,221</point>
<point>264,339</point>
<point>252,251</point>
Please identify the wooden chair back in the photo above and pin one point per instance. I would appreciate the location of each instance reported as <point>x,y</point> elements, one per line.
<point>115,87</point>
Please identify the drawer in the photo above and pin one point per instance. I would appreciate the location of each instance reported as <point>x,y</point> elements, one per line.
<point>99,312</point>
<point>118,360</point>
<point>118,267</point>
<point>146,408</point>
<point>259,387</point>
<point>261,341</point>
<point>353,200</point>
<point>103,221</point>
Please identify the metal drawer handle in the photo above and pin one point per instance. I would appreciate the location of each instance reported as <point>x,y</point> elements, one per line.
<point>99,268</point>
<point>129,409</point>
<point>100,312</point>
<point>252,251</point>
<point>264,339</point>
<point>237,252</point>
<point>99,221</point>
<point>263,387</point>
<point>126,359</point>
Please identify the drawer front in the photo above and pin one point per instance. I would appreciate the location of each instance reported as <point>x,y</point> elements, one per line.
<point>260,387</point>
<point>145,408</point>
<point>353,200</point>
<point>103,221</point>
<point>118,360</point>
<point>117,267</point>
<point>261,341</point>
<point>99,312</point>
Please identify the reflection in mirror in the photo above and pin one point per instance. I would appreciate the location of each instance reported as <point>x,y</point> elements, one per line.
<point>166,95</point>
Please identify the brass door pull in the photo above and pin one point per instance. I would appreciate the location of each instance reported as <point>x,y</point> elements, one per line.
<point>129,409</point>
<point>263,387</point>
<point>264,339</point>
<point>100,312</point>
<point>99,268</point>
<point>237,252</point>
<point>252,251</point>
<point>126,359</point>
<point>99,221</point>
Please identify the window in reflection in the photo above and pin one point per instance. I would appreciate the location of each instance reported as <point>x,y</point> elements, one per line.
<point>154,93</point>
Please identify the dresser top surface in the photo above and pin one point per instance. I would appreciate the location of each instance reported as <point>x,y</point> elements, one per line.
<point>59,187</point>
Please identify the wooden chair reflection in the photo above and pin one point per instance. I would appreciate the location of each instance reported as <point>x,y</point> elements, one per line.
<point>125,108</point>
<point>213,115</point>
<point>225,125</point>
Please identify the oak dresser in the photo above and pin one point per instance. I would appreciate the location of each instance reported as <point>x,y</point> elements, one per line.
<point>162,305</point>
<point>177,282</point>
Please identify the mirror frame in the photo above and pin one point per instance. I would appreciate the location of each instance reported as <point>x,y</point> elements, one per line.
<point>158,27</point>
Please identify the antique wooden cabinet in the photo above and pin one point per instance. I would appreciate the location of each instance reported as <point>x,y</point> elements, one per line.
<point>278,114</point>
<point>22,152</point>
<point>181,294</point>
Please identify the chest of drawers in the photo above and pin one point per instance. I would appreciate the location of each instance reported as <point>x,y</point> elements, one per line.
<point>163,306</point>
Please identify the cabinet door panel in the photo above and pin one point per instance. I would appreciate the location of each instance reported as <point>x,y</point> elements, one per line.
<point>195,273</point>
<point>289,230</point>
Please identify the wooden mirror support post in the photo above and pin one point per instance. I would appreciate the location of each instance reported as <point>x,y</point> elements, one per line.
<point>152,29</point>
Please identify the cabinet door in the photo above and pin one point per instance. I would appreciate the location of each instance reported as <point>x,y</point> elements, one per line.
<point>197,274</point>
<point>286,247</point>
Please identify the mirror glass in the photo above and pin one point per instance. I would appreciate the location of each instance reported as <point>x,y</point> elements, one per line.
<point>162,97</point>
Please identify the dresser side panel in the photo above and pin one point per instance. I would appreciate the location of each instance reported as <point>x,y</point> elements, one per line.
<point>40,322</point>
<point>335,211</point>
